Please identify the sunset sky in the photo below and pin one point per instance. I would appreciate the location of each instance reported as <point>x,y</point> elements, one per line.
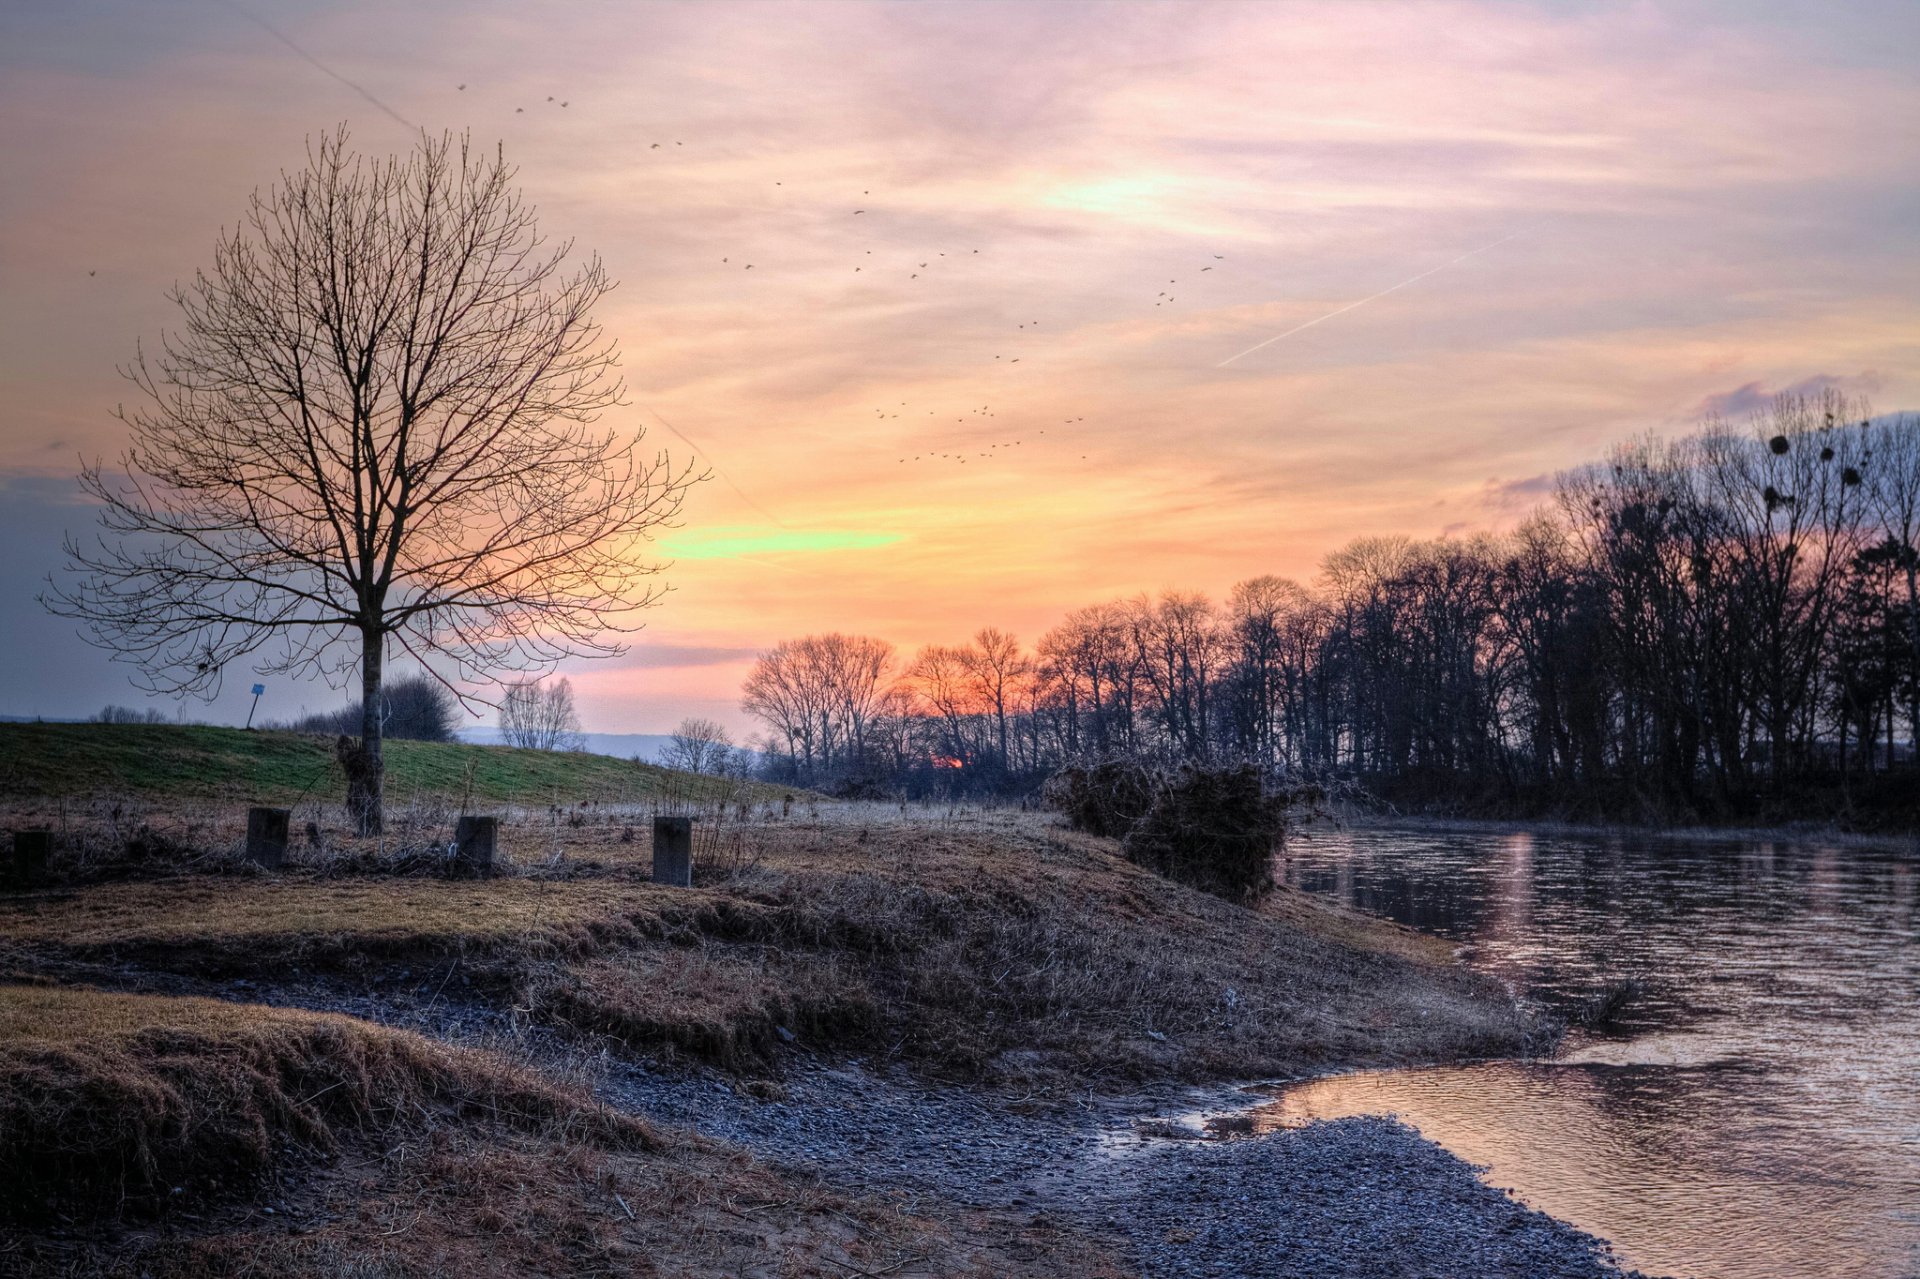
<point>1604,219</point>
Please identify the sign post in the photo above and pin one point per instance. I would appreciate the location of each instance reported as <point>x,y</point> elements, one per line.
<point>257,690</point>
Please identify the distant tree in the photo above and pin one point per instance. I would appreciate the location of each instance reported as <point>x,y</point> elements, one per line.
<point>539,715</point>
<point>129,715</point>
<point>373,431</point>
<point>944,689</point>
<point>999,672</point>
<point>699,746</point>
<point>821,695</point>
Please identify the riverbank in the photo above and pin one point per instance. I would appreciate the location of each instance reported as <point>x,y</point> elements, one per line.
<point>318,1143</point>
<point>907,1043</point>
<point>1796,833</point>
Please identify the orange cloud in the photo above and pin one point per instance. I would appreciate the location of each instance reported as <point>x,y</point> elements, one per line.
<point>1069,215</point>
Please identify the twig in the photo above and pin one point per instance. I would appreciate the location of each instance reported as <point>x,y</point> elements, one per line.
<point>323,1092</point>
<point>874,1274</point>
<point>443,983</point>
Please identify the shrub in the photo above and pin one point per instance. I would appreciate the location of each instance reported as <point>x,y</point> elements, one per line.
<point>1215,829</point>
<point>415,707</point>
<point>129,715</point>
<point>1105,799</point>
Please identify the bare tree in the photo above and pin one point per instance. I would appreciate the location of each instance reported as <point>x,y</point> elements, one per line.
<point>1000,672</point>
<point>1893,488</point>
<point>699,746</point>
<point>374,430</point>
<point>820,694</point>
<point>538,715</point>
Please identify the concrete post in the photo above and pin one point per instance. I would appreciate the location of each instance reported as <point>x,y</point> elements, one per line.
<point>474,842</point>
<point>267,836</point>
<point>673,851</point>
<point>31,849</point>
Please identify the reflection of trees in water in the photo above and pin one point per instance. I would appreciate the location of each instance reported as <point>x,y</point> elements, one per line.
<point>1780,980</point>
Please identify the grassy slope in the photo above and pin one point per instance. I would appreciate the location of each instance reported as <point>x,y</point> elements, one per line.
<point>280,1142</point>
<point>197,762</point>
<point>989,945</point>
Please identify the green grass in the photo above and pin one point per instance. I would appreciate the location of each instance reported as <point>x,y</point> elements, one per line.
<point>198,762</point>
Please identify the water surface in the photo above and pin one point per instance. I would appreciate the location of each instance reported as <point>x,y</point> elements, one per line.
<point>1754,1115</point>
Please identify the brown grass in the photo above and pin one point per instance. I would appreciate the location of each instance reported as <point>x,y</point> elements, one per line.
<point>978,944</point>
<point>261,1141</point>
<point>109,1098</point>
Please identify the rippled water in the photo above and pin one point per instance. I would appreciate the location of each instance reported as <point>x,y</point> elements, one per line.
<point>1755,1114</point>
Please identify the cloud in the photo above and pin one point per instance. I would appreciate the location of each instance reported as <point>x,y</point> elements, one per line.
<point>1509,495</point>
<point>1712,197</point>
<point>1756,396</point>
<point>682,656</point>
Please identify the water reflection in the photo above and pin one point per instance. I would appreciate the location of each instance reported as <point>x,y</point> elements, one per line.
<point>1755,1114</point>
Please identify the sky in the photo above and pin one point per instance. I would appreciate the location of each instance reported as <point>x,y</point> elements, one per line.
<point>1214,288</point>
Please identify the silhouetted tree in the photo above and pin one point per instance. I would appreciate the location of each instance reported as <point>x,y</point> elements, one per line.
<point>373,429</point>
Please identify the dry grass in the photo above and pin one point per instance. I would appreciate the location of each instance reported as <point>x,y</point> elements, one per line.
<point>978,944</point>
<point>110,1098</point>
<point>186,1137</point>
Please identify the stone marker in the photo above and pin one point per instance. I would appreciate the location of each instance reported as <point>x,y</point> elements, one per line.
<point>31,849</point>
<point>673,851</point>
<point>267,836</point>
<point>474,841</point>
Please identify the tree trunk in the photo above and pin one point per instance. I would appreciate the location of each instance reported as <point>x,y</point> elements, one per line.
<point>365,768</point>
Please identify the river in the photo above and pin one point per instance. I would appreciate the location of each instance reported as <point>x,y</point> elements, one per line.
<point>1755,1114</point>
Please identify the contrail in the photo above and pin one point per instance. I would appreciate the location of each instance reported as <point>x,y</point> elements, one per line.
<point>725,478</point>
<point>283,38</point>
<point>1363,301</point>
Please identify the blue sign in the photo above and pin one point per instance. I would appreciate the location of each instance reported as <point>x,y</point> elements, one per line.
<point>259,689</point>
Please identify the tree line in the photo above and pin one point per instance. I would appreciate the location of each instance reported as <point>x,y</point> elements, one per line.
<point>1709,624</point>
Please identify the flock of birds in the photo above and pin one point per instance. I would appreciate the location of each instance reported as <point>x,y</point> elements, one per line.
<point>953,454</point>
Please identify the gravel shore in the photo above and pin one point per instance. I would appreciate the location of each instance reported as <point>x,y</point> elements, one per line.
<point>1336,1200</point>
<point>1358,1198</point>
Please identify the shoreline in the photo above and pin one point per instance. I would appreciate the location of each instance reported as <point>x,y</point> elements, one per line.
<point>1105,1164</point>
<point>1794,833</point>
<point>651,1002</point>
